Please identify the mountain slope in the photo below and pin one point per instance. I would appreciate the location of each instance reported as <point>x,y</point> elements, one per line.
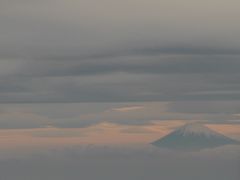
<point>193,136</point>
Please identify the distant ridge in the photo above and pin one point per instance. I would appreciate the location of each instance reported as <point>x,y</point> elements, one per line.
<point>194,136</point>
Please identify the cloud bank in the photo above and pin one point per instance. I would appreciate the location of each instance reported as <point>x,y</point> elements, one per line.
<point>186,53</point>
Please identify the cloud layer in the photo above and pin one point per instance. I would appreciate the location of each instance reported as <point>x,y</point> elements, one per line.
<point>186,53</point>
<point>105,163</point>
<point>80,51</point>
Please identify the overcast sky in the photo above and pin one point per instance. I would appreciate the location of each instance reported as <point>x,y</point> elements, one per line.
<point>87,85</point>
<point>183,55</point>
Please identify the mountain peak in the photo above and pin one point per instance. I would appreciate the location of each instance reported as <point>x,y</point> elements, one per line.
<point>194,136</point>
<point>197,129</point>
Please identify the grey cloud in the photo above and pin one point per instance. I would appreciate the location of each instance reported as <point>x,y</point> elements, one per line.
<point>41,40</point>
<point>22,120</point>
<point>161,64</point>
<point>118,87</point>
<point>224,107</point>
<point>136,130</point>
<point>78,115</point>
<point>105,163</point>
<point>57,134</point>
<point>124,51</point>
<point>33,29</point>
<point>148,78</point>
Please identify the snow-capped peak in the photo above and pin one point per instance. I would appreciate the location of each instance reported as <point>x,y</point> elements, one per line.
<point>197,129</point>
<point>193,136</point>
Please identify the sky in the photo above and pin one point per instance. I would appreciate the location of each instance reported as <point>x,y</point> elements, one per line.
<point>82,72</point>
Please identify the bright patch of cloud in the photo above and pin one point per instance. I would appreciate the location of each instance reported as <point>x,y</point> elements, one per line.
<point>128,108</point>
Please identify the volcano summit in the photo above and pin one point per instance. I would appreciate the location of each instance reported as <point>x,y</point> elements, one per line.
<point>194,136</point>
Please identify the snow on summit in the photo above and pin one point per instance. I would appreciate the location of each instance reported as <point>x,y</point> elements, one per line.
<point>197,129</point>
<point>193,136</point>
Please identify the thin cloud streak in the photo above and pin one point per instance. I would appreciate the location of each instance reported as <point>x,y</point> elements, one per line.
<point>129,108</point>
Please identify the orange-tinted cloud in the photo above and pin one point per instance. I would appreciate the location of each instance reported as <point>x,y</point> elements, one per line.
<point>101,134</point>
